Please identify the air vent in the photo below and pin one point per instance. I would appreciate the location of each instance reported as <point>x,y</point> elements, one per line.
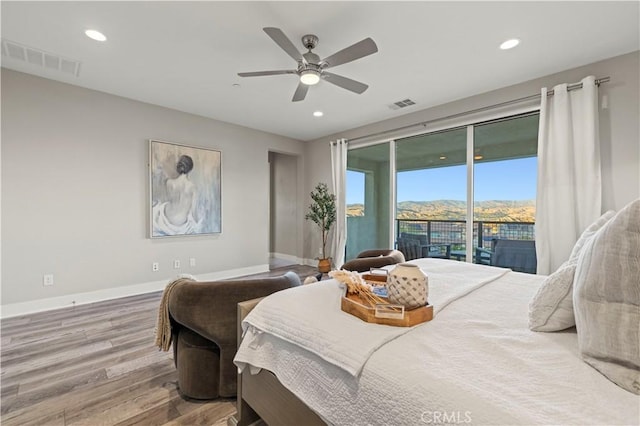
<point>402,104</point>
<point>39,57</point>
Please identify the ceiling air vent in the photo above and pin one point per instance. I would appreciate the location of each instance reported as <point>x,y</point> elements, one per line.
<point>402,104</point>
<point>39,57</point>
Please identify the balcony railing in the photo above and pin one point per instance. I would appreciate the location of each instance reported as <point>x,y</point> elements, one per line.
<point>454,232</point>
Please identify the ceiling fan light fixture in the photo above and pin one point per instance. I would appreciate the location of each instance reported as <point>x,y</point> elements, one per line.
<point>311,68</point>
<point>309,77</point>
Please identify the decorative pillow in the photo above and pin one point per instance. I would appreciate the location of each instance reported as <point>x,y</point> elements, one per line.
<point>588,233</point>
<point>551,309</point>
<point>606,299</point>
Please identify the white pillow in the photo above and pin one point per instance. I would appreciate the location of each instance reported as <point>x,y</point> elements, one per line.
<point>606,299</point>
<point>551,309</point>
<point>588,233</point>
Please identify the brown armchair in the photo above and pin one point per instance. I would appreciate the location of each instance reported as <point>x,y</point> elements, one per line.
<point>204,330</point>
<point>373,259</point>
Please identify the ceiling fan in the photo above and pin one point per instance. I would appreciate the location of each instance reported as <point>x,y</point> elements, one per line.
<point>311,68</point>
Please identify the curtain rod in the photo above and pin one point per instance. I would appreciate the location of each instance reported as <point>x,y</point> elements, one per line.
<point>570,87</point>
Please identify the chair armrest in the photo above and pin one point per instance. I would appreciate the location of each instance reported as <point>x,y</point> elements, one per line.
<point>483,256</point>
<point>210,308</point>
<point>365,264</point>
<point>374,253</point>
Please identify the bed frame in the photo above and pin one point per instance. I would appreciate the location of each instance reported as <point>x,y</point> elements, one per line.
<point>262,396</point>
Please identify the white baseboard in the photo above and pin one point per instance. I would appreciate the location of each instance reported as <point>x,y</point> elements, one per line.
<point>288,257</point>
<point>76,299</point>
<point>294,259</point>
<point>232,273</point>
<point>310,262</point>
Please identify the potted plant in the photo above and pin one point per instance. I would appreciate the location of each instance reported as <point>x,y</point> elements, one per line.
<point>322,212</point>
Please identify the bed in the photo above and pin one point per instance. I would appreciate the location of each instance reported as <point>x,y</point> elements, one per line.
<point>303,361</point>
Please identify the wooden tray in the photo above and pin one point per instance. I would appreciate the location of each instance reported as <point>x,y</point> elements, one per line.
<point>375,279</point>
<point>354,305</point>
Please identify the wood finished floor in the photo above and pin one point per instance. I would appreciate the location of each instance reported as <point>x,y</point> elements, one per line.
<point>96,364</point>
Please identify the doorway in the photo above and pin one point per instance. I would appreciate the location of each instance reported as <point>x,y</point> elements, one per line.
<point>283,210</point>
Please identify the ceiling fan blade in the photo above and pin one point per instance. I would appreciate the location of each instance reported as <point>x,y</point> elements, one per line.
<point>355,51</point>
<point>262,73</point>
<point>345,83</point>
<point>283,41</point>
<point>301,92</point>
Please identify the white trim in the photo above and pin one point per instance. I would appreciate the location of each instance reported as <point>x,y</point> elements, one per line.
<point>392,192</point>
<point>288,257</point>
<point>470,177</point>
<point>233,273</point>
<point>76,299</point>
<point>310,262</point>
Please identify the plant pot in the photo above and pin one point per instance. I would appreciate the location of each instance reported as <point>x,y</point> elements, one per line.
<point>324,265</point>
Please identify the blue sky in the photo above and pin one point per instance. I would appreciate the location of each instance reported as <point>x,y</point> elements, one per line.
<point>495,180</point>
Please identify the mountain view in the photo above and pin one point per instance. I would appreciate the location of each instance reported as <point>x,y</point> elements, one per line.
<point>493,210</point>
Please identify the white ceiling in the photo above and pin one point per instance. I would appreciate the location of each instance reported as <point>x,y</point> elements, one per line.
<point>185,55</point>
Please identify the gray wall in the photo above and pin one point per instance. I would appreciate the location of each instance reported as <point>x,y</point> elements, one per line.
<point>619,128</point>
<point>75,196</point>
<point>74,180</point>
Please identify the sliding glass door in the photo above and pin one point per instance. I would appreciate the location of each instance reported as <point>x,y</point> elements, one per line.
<point>505,173</point>
<point>368,199</point>
<point>431,194</point>
<point>454,191</point>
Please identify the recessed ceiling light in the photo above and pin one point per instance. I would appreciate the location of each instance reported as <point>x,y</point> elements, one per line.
<point>318,114</point>
<point>443,157</point>
<point>236,85</point>
<point>510,44</point>
<point>96,35</point>
<point>478,157</point>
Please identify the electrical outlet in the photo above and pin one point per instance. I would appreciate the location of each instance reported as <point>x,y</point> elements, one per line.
<point>192,262</point>
<point>176,264</point>
<point>47,279</point>
<point>155,266</point>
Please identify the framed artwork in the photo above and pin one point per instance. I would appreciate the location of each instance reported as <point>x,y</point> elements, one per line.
<point>185,189</point>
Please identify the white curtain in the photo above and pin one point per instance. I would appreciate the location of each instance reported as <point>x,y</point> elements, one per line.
<point>339,174</point>
<point>569,182</point>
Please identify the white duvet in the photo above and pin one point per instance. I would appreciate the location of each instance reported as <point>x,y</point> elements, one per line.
<point>475,363</point>
<point>310,316</point>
